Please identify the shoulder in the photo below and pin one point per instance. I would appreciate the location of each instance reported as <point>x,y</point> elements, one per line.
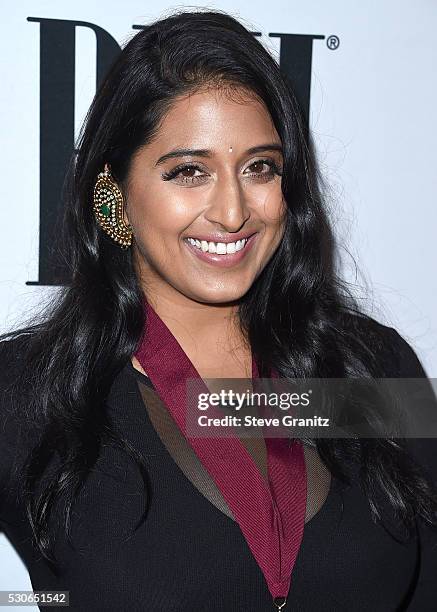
<point>12,357</point>
<point>401,361</point>
<point>13,420</point>
<point>397,358</point>
<point>13,353</point>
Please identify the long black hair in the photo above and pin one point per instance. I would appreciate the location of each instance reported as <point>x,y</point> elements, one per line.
<point>298,316</point>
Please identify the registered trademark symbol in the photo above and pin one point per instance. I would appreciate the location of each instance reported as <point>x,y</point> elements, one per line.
<point>333,42</point>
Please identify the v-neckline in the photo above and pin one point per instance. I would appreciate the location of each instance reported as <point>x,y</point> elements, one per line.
<point>270,514</point>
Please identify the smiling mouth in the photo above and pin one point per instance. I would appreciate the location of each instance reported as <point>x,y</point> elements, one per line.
<point>218,248</point>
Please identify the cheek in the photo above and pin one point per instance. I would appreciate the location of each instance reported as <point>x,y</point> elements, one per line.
<point>270,207</point>
<point>162,217</point>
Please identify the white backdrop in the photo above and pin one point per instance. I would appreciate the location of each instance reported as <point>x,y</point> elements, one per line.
<point>373,103</point>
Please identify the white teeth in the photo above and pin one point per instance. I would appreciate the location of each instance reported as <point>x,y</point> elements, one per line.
<point>221,248</point>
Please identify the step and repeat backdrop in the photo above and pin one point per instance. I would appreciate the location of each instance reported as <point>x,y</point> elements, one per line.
<point>364,74</point>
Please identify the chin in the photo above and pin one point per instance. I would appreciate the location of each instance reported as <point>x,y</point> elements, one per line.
<point>221,296</point>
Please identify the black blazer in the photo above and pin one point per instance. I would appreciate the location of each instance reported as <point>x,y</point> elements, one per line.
<point>189,555</point>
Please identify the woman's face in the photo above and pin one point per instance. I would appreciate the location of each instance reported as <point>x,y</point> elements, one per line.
<point>204,198</point>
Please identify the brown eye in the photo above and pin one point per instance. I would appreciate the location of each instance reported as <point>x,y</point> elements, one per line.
<point>188,172</point>
<point>264,169</point>
<point>257,167</point>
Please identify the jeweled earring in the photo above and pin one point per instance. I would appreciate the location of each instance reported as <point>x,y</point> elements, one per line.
<point>109,209</point>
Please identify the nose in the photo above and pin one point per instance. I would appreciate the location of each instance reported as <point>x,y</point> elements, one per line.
<point>228,205</point>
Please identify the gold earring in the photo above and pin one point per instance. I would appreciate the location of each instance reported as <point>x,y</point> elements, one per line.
<point>109,209</point>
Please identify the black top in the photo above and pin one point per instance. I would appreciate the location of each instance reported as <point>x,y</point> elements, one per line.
<point>190,555</point>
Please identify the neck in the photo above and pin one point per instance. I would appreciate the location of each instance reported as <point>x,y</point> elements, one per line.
<point>194,322</point>
<point>209,334</point>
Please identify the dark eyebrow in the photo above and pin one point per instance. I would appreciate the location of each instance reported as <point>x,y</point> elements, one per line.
<point>184,153</point>
<point>272,146</point>
<point>207,153</point>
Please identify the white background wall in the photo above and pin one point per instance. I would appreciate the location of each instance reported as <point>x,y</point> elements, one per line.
<point>372,114</point>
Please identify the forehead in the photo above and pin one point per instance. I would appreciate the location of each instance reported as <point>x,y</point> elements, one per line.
<point>214,117</point>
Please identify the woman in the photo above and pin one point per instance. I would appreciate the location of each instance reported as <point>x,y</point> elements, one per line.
<point>199,247</point>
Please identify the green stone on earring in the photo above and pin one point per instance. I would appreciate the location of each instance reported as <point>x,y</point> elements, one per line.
<point>105,210</point>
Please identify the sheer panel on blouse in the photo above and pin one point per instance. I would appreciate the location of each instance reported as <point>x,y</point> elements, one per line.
<point>318,476</point>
